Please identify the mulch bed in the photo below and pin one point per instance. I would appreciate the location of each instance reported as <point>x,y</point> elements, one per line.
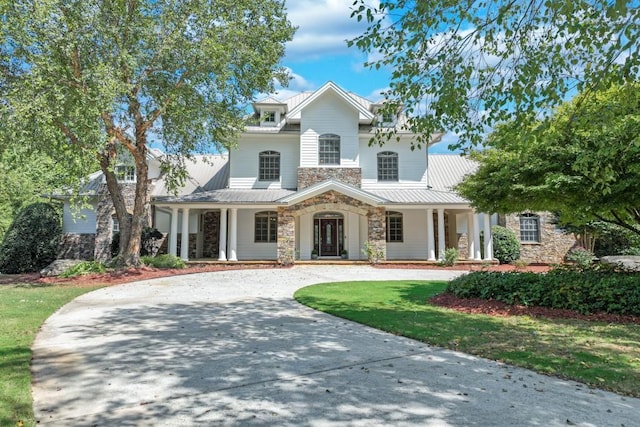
<point>497,308</point>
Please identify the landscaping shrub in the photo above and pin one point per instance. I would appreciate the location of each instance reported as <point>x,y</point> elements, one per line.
<point>83,268</point>
<point>580,257</point>
<point>31,242</point>
<point>450,257</point>
<point>615,240</point>
<point>506,247</point>
<point>586,291</point>
<point>163,261</point>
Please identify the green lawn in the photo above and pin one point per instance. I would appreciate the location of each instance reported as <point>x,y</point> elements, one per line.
<point>603,355</point>
<point>23,309</point>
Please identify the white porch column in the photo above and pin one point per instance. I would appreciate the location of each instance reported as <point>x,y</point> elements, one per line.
<point>476,238</point>
<point>233,235</point>
<point>431,242</point>
<point>470,233</point>
<point>488,238</point>
<point>184,246</point>
<point>441,233</point>
<point>222,248</point>
<point>173,232</point>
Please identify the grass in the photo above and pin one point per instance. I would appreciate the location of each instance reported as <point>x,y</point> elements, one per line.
<point>23,309</point>
<point>602,355</point>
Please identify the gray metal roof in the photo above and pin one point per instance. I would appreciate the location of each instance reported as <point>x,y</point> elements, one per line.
<point>419,196</point>
<point>228,195</point>
<point>447,170</point>
<point>206,173</point>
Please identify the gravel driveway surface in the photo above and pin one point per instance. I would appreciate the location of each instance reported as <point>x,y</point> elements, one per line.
<point>234,348</point>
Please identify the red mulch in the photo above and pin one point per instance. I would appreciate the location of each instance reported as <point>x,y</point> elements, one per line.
<point>534,268</point>
<point>497,308</point>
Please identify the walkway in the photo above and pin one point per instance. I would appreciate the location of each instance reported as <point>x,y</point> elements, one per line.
<point>233,348</point>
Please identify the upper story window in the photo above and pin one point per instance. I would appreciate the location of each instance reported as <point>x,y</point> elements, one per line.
<point>394,226</point>
<point>387,166</point>
<point>266,227</point>
<point>268,118</point>
<point>529,228</point>
<point>126,173</point>
<point>269,166</point>
<point>329,149</point>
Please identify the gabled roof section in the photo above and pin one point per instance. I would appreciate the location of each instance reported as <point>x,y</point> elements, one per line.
<point>332,185</point>
<point>270,103</point>
<point>365,116</point>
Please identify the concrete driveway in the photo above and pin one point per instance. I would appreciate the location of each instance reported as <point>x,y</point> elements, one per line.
<point>234,348</point>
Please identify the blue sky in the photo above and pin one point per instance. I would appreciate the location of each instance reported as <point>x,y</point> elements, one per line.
<point>319,53</point>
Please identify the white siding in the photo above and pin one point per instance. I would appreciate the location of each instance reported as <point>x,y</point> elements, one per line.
<point>306,235</point>
<point>248,249</point>
<point>81,221</point>
<point>329,114</point>
<point>414,234</point>
<point>412,165</point>
<point>244,161</point>
<point>163,221</point>
<point>353,235</point>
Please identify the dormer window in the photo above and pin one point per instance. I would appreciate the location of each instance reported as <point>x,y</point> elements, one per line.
<point>387,120</point>
<point>126,173</point>
<point>268,118</point>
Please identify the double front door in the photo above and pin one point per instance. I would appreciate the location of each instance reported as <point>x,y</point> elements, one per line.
<point>328,234</point>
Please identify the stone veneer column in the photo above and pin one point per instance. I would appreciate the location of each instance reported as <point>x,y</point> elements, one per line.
<point>378,230</point>
<point>431,242</point>
<point>233,234</point>
<point>286,236</point>
<point>173,233</point>
<point>471,247</point>
<point>222,251</point>
<point>184,246</point>
<point>441,238</point>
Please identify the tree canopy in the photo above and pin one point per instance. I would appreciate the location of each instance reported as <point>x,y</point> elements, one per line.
<point>465,66</point>
<point>87,78</point>
<point>583,162</point>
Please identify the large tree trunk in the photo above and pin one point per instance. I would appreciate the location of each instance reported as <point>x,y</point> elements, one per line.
<point>130,252</point>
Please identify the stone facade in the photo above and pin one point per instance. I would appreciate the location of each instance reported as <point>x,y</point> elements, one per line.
<point>554,243</point>
<point>104,214</point>
<point>310,176</point>
<point>77,246</point>
<point>329,201</point>
<point>211,232</point>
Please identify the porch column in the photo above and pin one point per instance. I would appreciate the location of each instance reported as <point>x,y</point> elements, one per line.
<point>488,238</point>
<point>476,237</point>
<point>173,233</point>
<point>222,244</point>
<point>184,246</point>
<point>472,248</point>
<point>431,243</point>
<point>233,234</point>
<point>441,233</point>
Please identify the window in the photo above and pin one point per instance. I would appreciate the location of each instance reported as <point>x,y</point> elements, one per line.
<point>269,166</point>
<point>268,118</point>
<point>394,227</point>
<point>329,149</point>
<point>529,228</point>
<point>115,225</point>
<point>126,173</point>
<point>387,166</point>
<point>266,230</point>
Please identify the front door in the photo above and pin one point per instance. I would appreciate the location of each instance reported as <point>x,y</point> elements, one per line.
<point>328,234</point>
<point>329,237</point>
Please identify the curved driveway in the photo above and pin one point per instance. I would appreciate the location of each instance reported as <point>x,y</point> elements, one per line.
<point>234,348</point>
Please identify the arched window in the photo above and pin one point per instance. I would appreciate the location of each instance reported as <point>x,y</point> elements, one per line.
<point>387,166</point>
<point>394,227</point>
<point>329,149</point>
<point>529,228</point>
<point>269,166</point>
<point>266,227</point>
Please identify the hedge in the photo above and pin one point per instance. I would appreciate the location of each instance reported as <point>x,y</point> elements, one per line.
<point>583,291</point>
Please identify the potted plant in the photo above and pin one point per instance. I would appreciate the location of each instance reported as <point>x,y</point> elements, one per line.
<point>314,254</point>
<point>343,254</point>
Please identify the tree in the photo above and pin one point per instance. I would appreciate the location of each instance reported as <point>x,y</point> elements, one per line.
<point>583,162</point>
<point>466,66</point>
<point>32,240</point>
<point>104,78</point>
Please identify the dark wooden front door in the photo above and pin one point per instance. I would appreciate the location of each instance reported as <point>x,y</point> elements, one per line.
<point>329,237</point>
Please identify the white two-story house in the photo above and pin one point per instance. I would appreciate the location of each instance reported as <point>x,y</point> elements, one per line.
<point>305,183</point>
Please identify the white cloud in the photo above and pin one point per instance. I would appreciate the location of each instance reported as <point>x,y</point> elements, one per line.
<point>323,28</point>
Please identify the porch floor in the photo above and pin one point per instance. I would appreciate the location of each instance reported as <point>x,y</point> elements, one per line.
<point>332,261</point>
